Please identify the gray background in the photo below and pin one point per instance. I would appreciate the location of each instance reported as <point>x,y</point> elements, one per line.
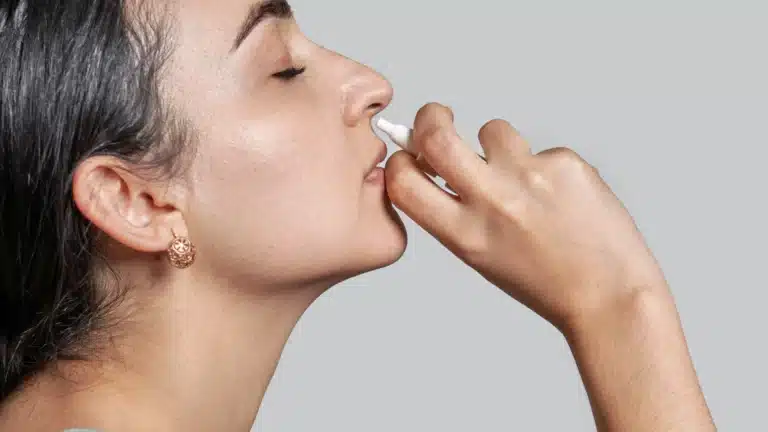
<point>667,97</point>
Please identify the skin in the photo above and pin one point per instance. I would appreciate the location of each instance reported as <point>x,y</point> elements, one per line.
<point>276,204</point>
<point>548,231</point>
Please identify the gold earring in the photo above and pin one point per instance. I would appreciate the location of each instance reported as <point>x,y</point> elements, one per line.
<point>181,252</point>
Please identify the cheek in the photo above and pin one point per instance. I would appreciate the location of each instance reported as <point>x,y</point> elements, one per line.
<point>288,188</point>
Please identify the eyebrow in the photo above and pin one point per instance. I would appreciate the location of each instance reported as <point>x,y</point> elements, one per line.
<point>259,12</point>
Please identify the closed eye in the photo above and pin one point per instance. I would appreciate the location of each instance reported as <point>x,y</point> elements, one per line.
<point>289,74</point>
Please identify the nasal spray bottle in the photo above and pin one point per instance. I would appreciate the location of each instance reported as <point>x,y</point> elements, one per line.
<point>399,134</point>
<point>402,136</point>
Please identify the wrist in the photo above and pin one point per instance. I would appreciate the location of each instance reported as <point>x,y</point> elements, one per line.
<point>633,304</point>
<point>633,359</point>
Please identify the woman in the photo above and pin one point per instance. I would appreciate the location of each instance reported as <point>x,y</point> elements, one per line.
<point>180,184</point>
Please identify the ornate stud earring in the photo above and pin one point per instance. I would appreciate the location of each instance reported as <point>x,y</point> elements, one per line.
<point>181,252</point>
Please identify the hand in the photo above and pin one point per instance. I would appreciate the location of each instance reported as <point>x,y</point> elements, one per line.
<point>544,228</point>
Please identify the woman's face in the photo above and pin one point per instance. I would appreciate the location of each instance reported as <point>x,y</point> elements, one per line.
<point>277,191</point>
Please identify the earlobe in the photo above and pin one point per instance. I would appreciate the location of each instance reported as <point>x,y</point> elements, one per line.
<point>129,209</point>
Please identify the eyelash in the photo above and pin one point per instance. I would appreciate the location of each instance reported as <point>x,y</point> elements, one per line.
<point>289,73</point>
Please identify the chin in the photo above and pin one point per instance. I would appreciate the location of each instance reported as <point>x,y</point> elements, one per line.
<point>378,240</point>
<point>390,253</point>
<point>388,247</point>
<point>370,253</point>
<point>381,245</point>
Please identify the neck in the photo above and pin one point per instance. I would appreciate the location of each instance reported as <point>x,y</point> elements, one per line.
<point>227,344</point>
<point>195,358</point>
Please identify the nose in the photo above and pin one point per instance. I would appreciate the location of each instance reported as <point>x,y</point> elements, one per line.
<point>365,94</point>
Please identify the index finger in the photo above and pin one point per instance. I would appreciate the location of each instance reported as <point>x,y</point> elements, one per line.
<point>435,136</point>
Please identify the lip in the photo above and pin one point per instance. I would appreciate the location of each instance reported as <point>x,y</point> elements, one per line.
<point>380,156</point>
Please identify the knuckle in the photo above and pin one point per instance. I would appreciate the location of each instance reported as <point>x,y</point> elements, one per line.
<point>536,179</point>
<point>563,154</point>
<point>566,158</point>
<point>434,140</point>
<point>471,245</point>
<point>510,204</point>
<point>432,128</point>
<point>510,210</point>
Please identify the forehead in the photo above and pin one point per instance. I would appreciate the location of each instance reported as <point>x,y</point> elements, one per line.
<point>201,34</point>
<point>209,26</point>
<point>221,26</point>
<point>204,61</point>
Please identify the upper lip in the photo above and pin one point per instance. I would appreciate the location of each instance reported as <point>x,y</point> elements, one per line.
<point>380,156</point>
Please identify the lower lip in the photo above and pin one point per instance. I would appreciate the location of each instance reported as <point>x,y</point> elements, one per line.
<point>376,176</point>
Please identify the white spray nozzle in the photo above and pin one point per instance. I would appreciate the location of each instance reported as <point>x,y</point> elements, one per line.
<point>399,134</point>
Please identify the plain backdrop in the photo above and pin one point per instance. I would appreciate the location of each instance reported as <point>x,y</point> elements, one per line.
<point>668,98</point>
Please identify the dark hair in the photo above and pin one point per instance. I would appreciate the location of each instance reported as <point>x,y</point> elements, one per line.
<point>78,78</point>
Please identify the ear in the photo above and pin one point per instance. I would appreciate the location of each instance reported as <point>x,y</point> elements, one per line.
<point>140,214</point>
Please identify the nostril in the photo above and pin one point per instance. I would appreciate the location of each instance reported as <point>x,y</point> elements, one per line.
<point>374,109</point>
